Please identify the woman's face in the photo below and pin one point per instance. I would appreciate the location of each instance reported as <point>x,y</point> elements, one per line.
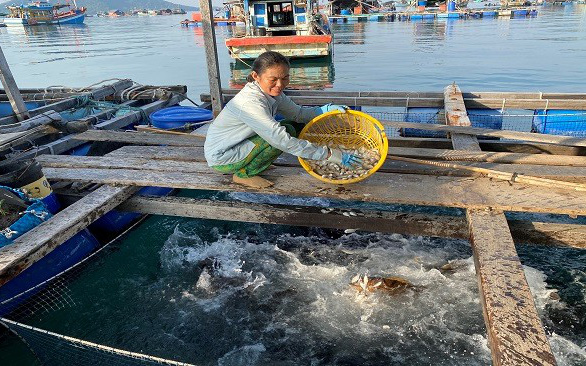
<point>273,79</point>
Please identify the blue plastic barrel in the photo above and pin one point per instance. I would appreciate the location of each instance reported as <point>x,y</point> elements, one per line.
<point>560,122</point>
<point>227,14</point>
<point>177,117</point>
<point>421,2</point>
<point>451,5</point>
<point>345,12</point>
<point>6,108</point>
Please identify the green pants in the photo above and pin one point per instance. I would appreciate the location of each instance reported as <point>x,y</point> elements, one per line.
<point>259,159</point>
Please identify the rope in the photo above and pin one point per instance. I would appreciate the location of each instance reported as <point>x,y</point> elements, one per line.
<point>97,346</point>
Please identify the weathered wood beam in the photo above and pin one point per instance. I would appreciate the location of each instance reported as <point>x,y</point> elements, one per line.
<point>406,188</point>
<point>435,143</point>
<point>471,103</point>
<point>514,135</point>
<point>507,302</point>
<point>68,142</point>
<point>20,111</point>
<point>36,121</point>
<point>140,138</point>
<point>36,243</point>
<point>390,222</point>
<point>182,159</point>
<point>26,137</point>
<point>65,104</point>
<point>423,94</point>
<point>490,157</point>
<point>443,226</point>
<point>515,333</point>
<point>209,38</point>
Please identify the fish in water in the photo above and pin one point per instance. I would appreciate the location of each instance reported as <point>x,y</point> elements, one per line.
<point>391,285</point>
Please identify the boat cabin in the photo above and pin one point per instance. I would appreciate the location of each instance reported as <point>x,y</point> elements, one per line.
<point>35,12</point>
<point>279,18</point>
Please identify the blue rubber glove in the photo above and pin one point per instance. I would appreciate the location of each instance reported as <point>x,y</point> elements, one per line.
<point>343,158</point>
<point>333,107</point>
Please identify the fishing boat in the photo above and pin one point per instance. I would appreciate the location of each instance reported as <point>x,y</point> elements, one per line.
<point>294,28</point>
<point>44,13</point>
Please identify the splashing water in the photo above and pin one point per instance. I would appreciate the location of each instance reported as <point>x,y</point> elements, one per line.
<point>287,300</point>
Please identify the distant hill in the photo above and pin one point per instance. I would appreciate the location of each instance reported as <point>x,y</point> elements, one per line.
<point>95,6</point>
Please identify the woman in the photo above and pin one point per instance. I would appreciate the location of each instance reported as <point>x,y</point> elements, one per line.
<point>245,138</point>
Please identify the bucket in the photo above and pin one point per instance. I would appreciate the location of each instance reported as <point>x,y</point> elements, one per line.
<point>178,117</point>
<point>451,6</point>
<point>26,175</point>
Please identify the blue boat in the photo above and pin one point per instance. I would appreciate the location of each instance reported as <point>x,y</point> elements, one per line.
<point>44,13</point>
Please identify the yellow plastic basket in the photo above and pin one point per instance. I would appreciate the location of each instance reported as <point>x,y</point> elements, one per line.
<point>352,129</point>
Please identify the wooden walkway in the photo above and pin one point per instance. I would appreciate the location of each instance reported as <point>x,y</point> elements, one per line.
<point>515,331</point>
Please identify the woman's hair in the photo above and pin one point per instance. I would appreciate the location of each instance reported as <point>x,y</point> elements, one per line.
<point>266,60</point>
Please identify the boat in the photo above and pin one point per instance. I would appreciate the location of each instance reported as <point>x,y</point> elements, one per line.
<point>294,28</point>
<point>44,13</point>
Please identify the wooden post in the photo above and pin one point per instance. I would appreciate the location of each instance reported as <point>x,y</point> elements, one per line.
<point>209,37</point>
<point>12,91</point>
<point>515,333</point>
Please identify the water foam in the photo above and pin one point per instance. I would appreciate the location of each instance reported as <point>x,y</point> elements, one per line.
<point>289,297</point>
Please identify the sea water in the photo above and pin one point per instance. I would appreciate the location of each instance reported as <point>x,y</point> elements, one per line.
<point>220,293</point>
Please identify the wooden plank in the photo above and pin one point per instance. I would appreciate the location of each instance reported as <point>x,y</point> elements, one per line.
<point>209,38</point>
<point>514,135</point>
<point>393,142</point>
<point>390,222</point>
<point>507,302</point>
<point>515,332</point>
<point>182,159</point>
<point>20,111</point>
<point>547,233</point>
<point>489,145</point>
<point>96,94</point>
<point>471,103</point>
<point>68,142</point>
<point>35,244</point>
<point>381,187</point>
<point>35,121</point>
<point>490,157</point>
<point>424,94</point>
<point>525,232</point>
<point>140,138</point>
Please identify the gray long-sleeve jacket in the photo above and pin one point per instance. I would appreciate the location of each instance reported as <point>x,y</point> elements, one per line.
<point>252,112</point>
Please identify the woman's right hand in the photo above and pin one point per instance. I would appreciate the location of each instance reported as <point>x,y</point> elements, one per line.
<point>343,158</point>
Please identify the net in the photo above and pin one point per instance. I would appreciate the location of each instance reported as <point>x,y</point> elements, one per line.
<point>51,348</point>
<point>555,122</point>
